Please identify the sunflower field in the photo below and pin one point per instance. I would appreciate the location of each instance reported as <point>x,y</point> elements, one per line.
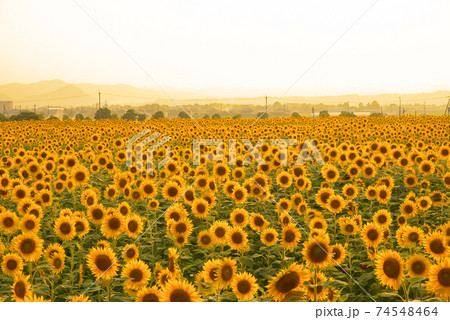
<point>370,223</point>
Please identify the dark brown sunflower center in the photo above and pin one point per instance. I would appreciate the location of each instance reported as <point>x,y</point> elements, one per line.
<point>8,222</point>
<point>20,289</point>
<point>289,236</point>
<point>418,267</point>
<point>79,226</point>
<point>11,264</point>
<point>413,236</point>
<point>270,237</point>
<point>317,254</point>
<point>237,238</point>
<point>444,277</point>
<point>284,179</point>
<point>349,228</point>
<point>437,246</point>
<point>131,253</point>
<point>97,214</point>
<point>114,223</point>
<point>80,176</point>
<point>220,232</point>
<point>259,222</point>
<point>172,191</point>
<point>150,297</point>
<point>27,246</point>
<point>227,273</point>
<point>103,262</point>
<point>136,274</point>
<point>373,234</point>
<point>65,228</point>
<point>244,286</point>
<point>288,282</point>
<point>132,225</point>
<point>179,295</point>
<point>336,253</point>
<point>30,224</point>
<point>205,239</point>
<point>335,204</point>
<point>239,218</point>
<point>181,228</point>
<point>382,218</point>
<point>391,268</point>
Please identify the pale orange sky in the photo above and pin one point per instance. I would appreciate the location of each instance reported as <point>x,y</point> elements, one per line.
<point>398,46</point>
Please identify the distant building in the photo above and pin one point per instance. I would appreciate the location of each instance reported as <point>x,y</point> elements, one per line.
<point>6,105</point>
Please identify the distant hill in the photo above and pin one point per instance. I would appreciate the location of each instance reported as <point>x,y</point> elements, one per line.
<point>60,93</point>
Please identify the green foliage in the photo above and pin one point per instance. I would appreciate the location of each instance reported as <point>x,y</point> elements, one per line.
<point>158,115</point>
<point>295,115</point>
<point>262,115</point>
<point>79,116</point>
<point>324,114</point>
<point>237,116</point>
<point>347,114</point>
<point>102,113</point>
<point>26,115</point>
<point>215,116</point>
<point>183,115</point>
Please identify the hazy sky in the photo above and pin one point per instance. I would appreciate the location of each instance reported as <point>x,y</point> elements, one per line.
<point>398,46</point>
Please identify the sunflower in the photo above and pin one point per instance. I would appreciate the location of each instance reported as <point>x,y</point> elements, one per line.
<point>80,174</point>
<point>417,266</point>
<point>28,245</point>
<point>436,246</point>
<point>427,167</point>
<point>338,253</point>
<point>323,195</point>
<point>205,239</point>
<point>57,263</point>
<point>175,212</point>
<point>382,218</point>
<point>130,252</point>
<point>133,225</point>
<point>330,173</point>
<point>335,203</point>
<point>111,192</point>
<point>65,228</point>
<point>11,264</point>
<point>290,236</point>
<point>172,191</point>
<point>179,291</point>
<point>21,288</point>
<point>239,217</point>
<point>96,213</point>
<point>244,286</point>
<point>389,268</point>
<point>369,171</point>
<point>238,173</point>
<point>424,203</point>
<point>408,209</point>
<point>412,236</point>
<point>148,189</point>
<point>350,191</point>
<point>239,194</point>
<point>371,192</point>
<point>383,194</point>
<point>371,234</point>
<point>102,262</point>
<point>20,192</point>
<point>9,222</point>
<point>287,280</point>
<point>226,272</point>
<point>148,294</point>
<point>269,237</point>
<point>113,225</point>
<point>181,227</point>
<point>237,238</point>
<point>258,222</point>
<point>316,251</point>
<point>318,223</point>
<point>410,180</point>
<point>347,227</point>
<point>200,208</point>
<point>316,290</point>
<point>439,279</point>
<point>284,179</point>
<point>219,229</point>
<point>180,240</point>
<point>139,273</point>
<point>53,249</point>
<point>81,226</point>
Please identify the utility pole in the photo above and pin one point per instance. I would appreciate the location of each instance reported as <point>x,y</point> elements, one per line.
<point>266,103</point>
<point>447,109</point>
<point>313,112</point>
<point>400,106</point>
